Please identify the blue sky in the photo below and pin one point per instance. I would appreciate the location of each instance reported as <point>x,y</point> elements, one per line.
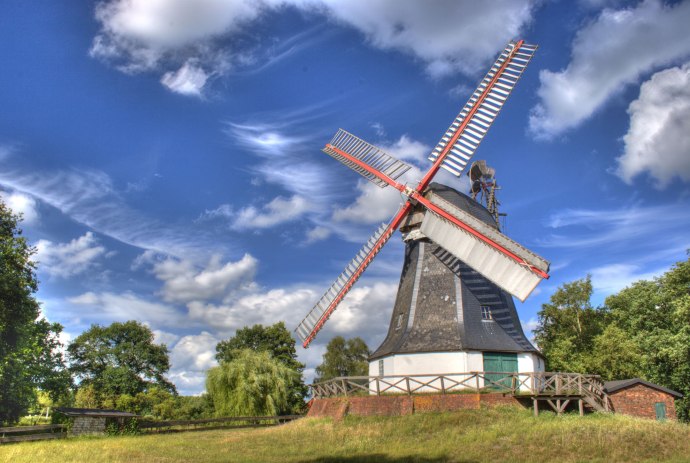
<point>166,154</point>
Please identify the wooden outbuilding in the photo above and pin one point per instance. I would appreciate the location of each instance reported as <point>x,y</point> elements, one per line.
<point>638,397</point>
<point>93,420</point>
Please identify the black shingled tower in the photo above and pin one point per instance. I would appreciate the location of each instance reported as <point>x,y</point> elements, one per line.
<point>439,303</point>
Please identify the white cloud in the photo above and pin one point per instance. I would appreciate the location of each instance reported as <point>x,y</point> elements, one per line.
<point>188,80</point>
<point>279,210</point>
<point>259,307</point>
<point>610,279</point>
<point>448,36</point>
<point>317,233</point>
<point>658,140</point>
<point>163,337</point>
<point>190,359</point>
<point>614,50</point>
<point>195,352</point>
<point>183,281</point>
<point>21,204</point>
<point>123,307</point>
<point>142,35</point>
<point>65,260</point>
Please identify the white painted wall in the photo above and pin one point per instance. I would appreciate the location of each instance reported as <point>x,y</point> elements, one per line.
<point>441,363</point>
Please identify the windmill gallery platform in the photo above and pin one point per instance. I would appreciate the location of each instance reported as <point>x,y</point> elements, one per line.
<point>403,395</point>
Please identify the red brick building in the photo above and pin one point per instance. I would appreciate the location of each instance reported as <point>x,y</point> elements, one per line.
<point>641,398</point>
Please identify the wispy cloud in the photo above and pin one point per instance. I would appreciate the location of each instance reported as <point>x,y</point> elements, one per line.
<point>637,226</point>
<point>65,260</point>
<point>90,198</point>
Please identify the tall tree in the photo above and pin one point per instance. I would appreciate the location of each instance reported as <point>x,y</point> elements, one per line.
<point>655,316</point>
<point>119,359</point>
<point>567,327</point>
<point>344,358</point>
<point>29,355</point>
<point>279,343</point>
<point>252,384</point>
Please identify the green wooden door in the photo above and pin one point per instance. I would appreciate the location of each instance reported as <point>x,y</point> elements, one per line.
<point>660,409</point>
<point>501,362</point>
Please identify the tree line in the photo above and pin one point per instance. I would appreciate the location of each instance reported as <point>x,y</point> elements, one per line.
<point>121,366</point>
<point>642,331</point>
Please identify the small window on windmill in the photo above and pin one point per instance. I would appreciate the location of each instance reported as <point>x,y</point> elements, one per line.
<point>399,323</point>
<point>486,313</point>
<point>380,367</point>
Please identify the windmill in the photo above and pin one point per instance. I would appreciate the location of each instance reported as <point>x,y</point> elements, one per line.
<point>459,267</point>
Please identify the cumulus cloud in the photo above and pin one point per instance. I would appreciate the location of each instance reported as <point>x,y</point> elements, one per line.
<point>21,204</point>
<point>279,210</point>
<point>163,337</point>
<point>68,259</point>
<point>258,307</point>
<point>123,307</point>
<point>190,358</point>
<point>145,35</point>
<point>184,282</point>
<point>612,51</point>
<point>188,80</point>
<point>658,141</point>
<point>451,36</point>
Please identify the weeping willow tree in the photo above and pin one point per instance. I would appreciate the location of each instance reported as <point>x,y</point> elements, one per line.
<point>253,384</point>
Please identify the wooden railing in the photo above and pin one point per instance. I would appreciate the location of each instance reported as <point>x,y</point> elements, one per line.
<point>589,387</point>
<point>215,423</point>
<point>32,433</point>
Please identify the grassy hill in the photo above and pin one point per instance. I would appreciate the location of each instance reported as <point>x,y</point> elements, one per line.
<point>499,434</point>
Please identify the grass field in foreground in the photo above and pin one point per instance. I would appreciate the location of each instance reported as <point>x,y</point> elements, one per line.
<point>498,434</point>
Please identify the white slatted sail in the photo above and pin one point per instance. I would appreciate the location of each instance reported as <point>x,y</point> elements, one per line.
<point>367,154</point>
<point>323,309</point>
<point>464,146</point>
<point>516,277</point>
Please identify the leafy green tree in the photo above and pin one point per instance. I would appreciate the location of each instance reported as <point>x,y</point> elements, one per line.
<point>119,359</point>
<point>252,384</point>
<point>655,315</point>
<point>568,325</point>
<point>277,341</point>
<point>29,347</point>
<point>344,358</point>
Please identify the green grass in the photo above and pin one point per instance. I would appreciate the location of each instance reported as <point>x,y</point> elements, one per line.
<point>497,434</point>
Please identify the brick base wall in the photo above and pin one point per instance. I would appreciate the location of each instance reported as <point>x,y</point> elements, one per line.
<point>639,401</point>
<point>404,405</point>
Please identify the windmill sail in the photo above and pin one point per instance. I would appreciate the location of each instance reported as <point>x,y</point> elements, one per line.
<point>323,309</point>
<point>345,144</point>
<point>488,98</point>
<point>508,264</point>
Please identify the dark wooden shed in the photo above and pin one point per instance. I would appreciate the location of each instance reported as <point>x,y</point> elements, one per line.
<point>638,397</point>
<point>93,420</point>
